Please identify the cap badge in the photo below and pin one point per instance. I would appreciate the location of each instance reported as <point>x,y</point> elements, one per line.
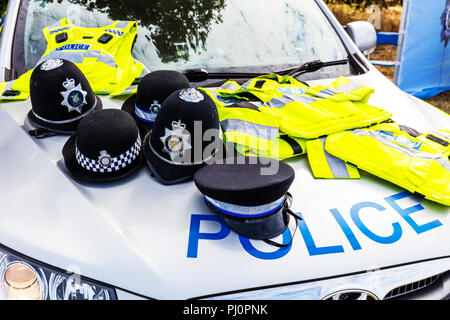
<point>74,96</point>
<point>104,159</point>
<point>155,106</point>
<point>191,95</point>
<point>176,141</point>
<point>51,64</point>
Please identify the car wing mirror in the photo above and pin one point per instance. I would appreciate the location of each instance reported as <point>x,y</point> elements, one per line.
<point>363,35</point>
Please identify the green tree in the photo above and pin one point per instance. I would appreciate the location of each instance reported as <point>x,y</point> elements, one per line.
<point>173,26</point>
<point>3,5</point>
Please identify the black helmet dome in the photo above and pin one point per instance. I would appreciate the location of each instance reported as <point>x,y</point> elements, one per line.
<point>152,91</point>
<point>61,96</point>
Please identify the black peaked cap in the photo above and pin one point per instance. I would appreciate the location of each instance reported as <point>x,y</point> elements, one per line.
<point>244,184</point>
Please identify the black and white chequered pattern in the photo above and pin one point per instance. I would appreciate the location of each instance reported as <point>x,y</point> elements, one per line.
<point>116,163</point>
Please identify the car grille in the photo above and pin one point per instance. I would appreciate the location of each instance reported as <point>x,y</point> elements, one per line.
<point>411,287</point>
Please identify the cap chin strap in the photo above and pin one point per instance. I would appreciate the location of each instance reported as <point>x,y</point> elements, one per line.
<point>286,209</point>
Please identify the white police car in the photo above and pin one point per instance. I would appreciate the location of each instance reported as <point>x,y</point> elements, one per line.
<point>364,239</point>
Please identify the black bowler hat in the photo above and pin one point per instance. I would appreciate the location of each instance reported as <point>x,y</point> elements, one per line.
<point>60,96</point>
<point>251,196</point>
<point>106,147</point>
<point>175,148</point>
<point>152,90</point>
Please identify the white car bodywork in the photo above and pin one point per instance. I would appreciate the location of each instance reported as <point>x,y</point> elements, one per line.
<point>151,240</point>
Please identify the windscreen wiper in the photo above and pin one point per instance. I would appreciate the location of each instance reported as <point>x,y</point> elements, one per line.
<point>198,75</point>
<point>311,66</point>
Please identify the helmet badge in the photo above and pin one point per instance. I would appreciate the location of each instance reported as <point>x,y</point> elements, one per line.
<point>155,106</point>
<point>74,96</point>
<point>176,141</point>
<point>51,64</point>
<point>104,159</point>
<point>191,95</point>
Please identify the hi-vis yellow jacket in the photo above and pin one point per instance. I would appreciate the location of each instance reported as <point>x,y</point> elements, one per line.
<point>257,115</point>
<point>420,163</point>
<point>102,54</point>
<point>2,20</point>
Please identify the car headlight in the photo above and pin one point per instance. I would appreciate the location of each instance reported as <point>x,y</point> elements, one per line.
<point>21,279</point>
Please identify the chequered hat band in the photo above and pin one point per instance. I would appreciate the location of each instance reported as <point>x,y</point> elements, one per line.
<point>105,163</point>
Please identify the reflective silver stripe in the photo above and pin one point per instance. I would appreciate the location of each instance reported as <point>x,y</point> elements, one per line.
<point>303,98</point>
<point>278,103</point>
<point>78,57</point>
<point>122,24</point>
<point>69,120</point>
<point>250,128</point>
<point>128,90</point>
<point>106,59</point>
<point>144,115</point>
<point>412,153</point>
<point>348,87</point>
<point>326,93</point>
<point>246,210</point>
<point>246,84</point>
<point>55,25</point>
<point>230,86</point>
<point>8,86</point>
<point>337,166</point>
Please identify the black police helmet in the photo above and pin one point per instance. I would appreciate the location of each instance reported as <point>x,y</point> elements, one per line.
<point>152,90</point>
<point>251,196</point>
<point>106,147</point>
<point>175,148</point>
<point>61,96</point>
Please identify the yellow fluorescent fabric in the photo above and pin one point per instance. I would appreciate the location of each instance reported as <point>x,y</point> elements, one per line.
<point>248,127</point>
<point>109,67</point>
<point>414,163</point>
<point>281,103</point>
<point>324,110</point>
<point>310,112</point>
<point>325,166</point>
<point>7,93</point>
<point>283,147</point>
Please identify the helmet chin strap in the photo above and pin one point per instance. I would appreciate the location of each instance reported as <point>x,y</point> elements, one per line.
<point>286,209</point>
<point>41,133</point>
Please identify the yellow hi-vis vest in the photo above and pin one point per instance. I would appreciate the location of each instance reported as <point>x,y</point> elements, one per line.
<point>253,116</point>
<point>2,20</point>
<point>419,163</point>
<point>102,54</point>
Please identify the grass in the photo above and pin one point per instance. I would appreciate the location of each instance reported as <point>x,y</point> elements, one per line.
<point>442,101</point>
<point>389,22</point>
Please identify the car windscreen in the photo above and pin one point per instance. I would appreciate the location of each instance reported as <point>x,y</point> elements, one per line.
<point>190,34</point>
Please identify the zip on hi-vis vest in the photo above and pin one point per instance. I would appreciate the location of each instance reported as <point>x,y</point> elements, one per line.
<point>102,54</point>
<point>418,162</point>
<point>256,114</point>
